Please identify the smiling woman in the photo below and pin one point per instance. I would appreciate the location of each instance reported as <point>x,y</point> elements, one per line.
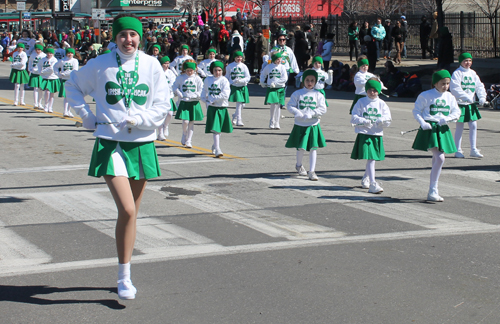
<point>130,104</point>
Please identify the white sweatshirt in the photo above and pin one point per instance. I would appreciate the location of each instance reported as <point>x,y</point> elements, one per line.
<point>216,91</point>
<point>60,53</point>
<point>65,66</point>
<point>311,103</point>
<point>360,80</point>
<point>176,64</point>
<point>47,69</point>
<point>464,84</point>
<point>288,58</point>
<point>33,62</point>
<point>188,88</point>
<point>19,60</point>
<point>29,45</point>
<point>170,75</point>
<point>237,74</point>
<point>276,74</point>
<point>204,68</point>
<point>323,77</point>
<point>373,110</point>
<point>432,105</point>
<point>98,78</point>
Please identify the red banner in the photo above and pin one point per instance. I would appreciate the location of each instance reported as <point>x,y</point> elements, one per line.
<point>287,8</point>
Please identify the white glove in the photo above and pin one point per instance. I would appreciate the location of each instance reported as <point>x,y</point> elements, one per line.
<point>486,104</point>
<point>263,85</point>
<point>127,122</point>
<point>379,122</point>
<point>178,93</point>
<point>482,102</point>
<point>442,122</point>
<point>367,123</point>
<point>308,115</point>
<point>426,126</point>
<point>299,114</point>
<point>273,85</point>
<point>88,119</point>
<point>330,72</point>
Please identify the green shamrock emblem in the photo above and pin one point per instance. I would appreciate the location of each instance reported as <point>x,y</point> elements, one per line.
<point>237,73</point>
<point>214,90</point>
<point>307,102</point>
<point>17,58</point>
<point>35,61</point>
<point>440,107</point>
<point>46,64</point>
<point>467,84</point>
<point>371,114</point>
<point>189,86</point>
<point>67,67</point>
<point>115,93</point>
<point>275,73</point>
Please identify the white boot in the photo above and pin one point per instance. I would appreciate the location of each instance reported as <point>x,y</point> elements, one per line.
<point>433,194</point>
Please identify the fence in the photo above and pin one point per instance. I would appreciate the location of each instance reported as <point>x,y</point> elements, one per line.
<point>471,31</point>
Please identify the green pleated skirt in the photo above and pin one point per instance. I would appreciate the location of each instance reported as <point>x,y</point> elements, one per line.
<point>438,136</point>
<point>218,120</point>
<point>306,138</point>
<point>35,80</point>
<point>136,160</point>
<point>368,147</point>
<point>275,96</point>
<point>189,110</point>
<point>356,98</point>
<point>469,113</point>
<point>19,76</point>
<point>239,94</point>
<point>62,89</point>
<point>324,95</point>
<point>53,85</point>
<point>173,105</point>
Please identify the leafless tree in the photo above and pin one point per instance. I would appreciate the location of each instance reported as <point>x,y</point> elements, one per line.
<point>385,8</point>
<point>490,9</point>
<point>350,8</point>
<point>430,6</point>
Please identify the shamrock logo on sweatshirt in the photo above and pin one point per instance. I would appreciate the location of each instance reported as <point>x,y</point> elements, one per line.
<point>17,59</point>
<point>67,67</point>
<point>188,86</point>
<point>467,84</point>
<point>275,73</point>
<point>440,107</point>
<point>372,114</point>
<point>115,93</point>
<point>35,61</point>
<point>214,90</point>
<point>307,102</point>
<point>237,73</point>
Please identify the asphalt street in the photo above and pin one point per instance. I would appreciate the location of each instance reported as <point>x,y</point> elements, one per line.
<point>244,239</point>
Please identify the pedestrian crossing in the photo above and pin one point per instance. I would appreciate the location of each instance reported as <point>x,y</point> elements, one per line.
<point>169,237</point>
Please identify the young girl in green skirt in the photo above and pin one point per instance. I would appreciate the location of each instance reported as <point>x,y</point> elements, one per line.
<point>433,110</point>
<point>65,67</point>
<point>238,75</point>
<point>307,105</point>
<point>216,91</point>
<point>170,75</point>
<point>369,115</point>
<point>360,79</point>
<point>50,80</point>
<point>18,75</point>
<point>277,78</point>
<point>35,78</point>
<point>465,84</point>
<point>323,77</point>
<point>204,66</point>
<point>188,88</point>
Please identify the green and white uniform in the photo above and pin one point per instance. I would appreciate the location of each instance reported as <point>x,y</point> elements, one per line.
<point>50,80</point>
<point>64,68</point>
<point>18,73</point>
<point>464,85</point>
<point>176,64</point>
<point>188,89</point>
<point>216,94</point>
<point>204,68</point>
<point>238,76</point>
<point>35,78</point>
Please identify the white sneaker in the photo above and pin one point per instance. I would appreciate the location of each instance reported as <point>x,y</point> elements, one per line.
<point>23,104</point>
<point>46,109</point>
<point>50,110</point>
<point>218,153</point>
<point>375,188</point>
<point>239,123</point>
<point>183,139</point>
<point>459,154</point>
<point>475,153</point>
<point>312,176</point>
<point>277,126</point>
<point>126,289</point>
<point>188,145</point>
<point>301,170</point>
<point>434,196</point>
<point>15,103</point>
<point>365,183</point>
<point>234,119</point>
<point>271,125</point>
<point>161,137</point>
<point>213,149</point>
<point>165,131</point>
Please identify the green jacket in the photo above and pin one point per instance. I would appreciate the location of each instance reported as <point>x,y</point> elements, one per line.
<point>353,33</point>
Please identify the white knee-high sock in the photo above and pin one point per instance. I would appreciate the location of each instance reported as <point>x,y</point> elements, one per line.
<point>370,170</point>
<point>51,101</point>
<point>21,99</point>
<point>272,109</point>
<point>66,107</point>
<point>16,92</point>
<point>40,98</point>
<point>437,165</point>
<point>46,98</point>
<point>459,129</point>
<point>313,154</point>
<point>473,134</point>
<point>300,156</point>
<point>277,115</point>
<point>238,110</point>
<point>217,141</point>
<point>185,126</point>
<point>168,119</point>
<point>35,97</point>
<point>124,271</point>
<point>190,132</point>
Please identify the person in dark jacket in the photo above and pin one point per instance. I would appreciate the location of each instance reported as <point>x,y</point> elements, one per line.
<point>324,29</point>
<point>250,55</point>
<point>388,39</point>
<point>353,33</point>
<point>300,51</point>
<point>397,34</point>
<point>260,49</point>
<point>205,39</point>
<point>363,31</point>
<point>425,31</point>
<point>371,49</point>
<point>445,57</point>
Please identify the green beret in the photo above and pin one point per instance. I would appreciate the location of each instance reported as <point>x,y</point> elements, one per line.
<point>157,46</point>
<point>39,46</point>
<point>373,84</point>
<point>21,45</point>
<point>363,62</point>
<point>124,23</point>
<point>164,59</point>
<point>70,50</point>
<point>439,75</point>
<point>275,56</point>
<point>317,59</point>
<point>212,50</point>
<point>237,53</point>
<point>188,65</point>
<point>185,47</point>
<point>464,56</point>
<point>310,72</point>
<point>215,64</point>
<point>49,50</point>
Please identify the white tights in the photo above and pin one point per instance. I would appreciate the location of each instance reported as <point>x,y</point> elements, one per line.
<point>370,170</point>
<point>275,116</point>
<point>188,130</point>
<point>312,158</point>
<point>17,89</point>
<point>239,108</point>
<point>217,141</point>
<point>49,100</point>
<point>437,164</point>
<point>472,135</point>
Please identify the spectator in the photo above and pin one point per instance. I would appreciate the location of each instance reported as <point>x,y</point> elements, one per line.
<point>372,51</point>
<point>425,31</point>
<point>5,44</point>
<point>445,57</point>
<point>327,51</point>
<point>388,39</point>
<point>223,39</point>
<point>324,29</point>
<point>236,25</point>
<point>365,30</point>
<point>290,41</point>
<point>250,55</point>
<point>353,32</point>
<point>205,39</point>
<point>312,39</point>
<point>300,52</point>
<point>378,33</point>
<point>397,34</point>
<point>392,77</point>
<point>260,49</point>
<point>404,28</point>
<point>434,36</point>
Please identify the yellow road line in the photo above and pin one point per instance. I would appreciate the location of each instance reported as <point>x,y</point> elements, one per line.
<point>169,143</point>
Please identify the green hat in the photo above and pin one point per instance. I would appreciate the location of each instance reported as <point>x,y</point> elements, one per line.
<point>317,59</point>
<point>70,50</point>
<point>164,59</point>
<point>124,23</point>
<point>373,84</point>
<point>464,56</point>
<point>185,47</point>
<point>237,53</point>
<point>21,45</point>
<point>157,46</point>
<point>49,50</point>
<point>39,46</point>
<point>363,62</point>
<point>439,75</point>
<point>106,51</point>
<point>211,50</point>
<point>188,65</point>
<point>310,72</point>
<point>215,64</point>
<point>275,56</point>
